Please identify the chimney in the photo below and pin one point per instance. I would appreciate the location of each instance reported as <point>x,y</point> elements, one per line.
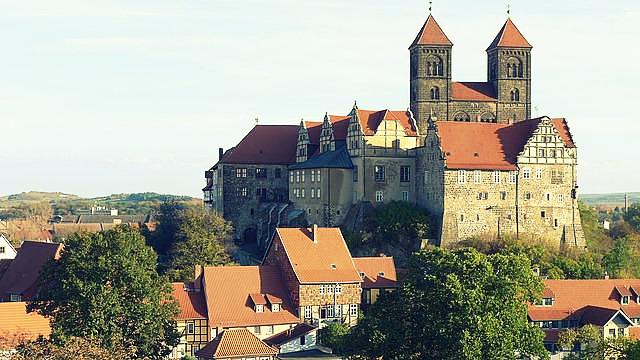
<point>314,233</point>
<point>197,278</point>
<point>220,153</point>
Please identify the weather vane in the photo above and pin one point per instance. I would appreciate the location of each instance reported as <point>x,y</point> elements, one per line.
<point>430,5</point>
<point>508,8</point>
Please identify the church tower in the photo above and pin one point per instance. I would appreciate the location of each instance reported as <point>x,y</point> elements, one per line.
<point>430,73</point>
<point>509,70</point>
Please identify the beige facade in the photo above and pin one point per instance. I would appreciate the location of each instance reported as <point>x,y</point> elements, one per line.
<point>194,336</point>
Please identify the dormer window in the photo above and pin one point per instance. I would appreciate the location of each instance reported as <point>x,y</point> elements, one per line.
<point>547,301</point>
<point>362,277</point>
<point>624,300</point>
<point>381,274</point>
<point>275,307</point>
<point>259,308</point>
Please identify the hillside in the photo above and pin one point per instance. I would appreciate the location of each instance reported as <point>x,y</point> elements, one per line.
<point>24,204</point>
<point>612,199</point>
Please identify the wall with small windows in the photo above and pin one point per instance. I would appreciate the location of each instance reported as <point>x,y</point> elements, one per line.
<point>385,178</point>
<point>194,336</point>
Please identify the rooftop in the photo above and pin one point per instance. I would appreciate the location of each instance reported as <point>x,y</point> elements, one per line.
<point>21,276</point>
<point>235,343</point>
<point>379,272</point>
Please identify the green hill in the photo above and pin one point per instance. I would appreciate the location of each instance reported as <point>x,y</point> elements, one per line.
<point>610,199</point>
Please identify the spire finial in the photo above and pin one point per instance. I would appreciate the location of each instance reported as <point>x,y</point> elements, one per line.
<point>430,6</point>
<point>508,9</point>
<point>257,120</point>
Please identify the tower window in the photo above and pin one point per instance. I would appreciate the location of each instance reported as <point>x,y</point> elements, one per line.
<point>515,95</point>
<point>435,93</point>
<point>514,68</point>
<point>488,117</point>
<point>434,66</point>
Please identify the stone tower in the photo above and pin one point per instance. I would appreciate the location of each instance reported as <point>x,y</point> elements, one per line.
<point>430,74</point>
<point>509,70</point>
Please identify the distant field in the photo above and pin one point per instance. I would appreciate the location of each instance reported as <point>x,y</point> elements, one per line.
<point>610,199</point>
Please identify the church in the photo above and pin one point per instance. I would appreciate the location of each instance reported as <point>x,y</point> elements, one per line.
<point>468,152</point>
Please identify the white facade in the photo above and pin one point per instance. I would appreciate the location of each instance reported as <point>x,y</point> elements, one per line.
<point>7,251</point>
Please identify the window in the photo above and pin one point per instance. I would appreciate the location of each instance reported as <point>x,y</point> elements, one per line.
<point>526,174</point>
<point>503,195</point>
<point>313,175</point>
<point>543,214</point>
<point>427,177</point>
<point>405,196</point>
<point>268,330</point>
<point>434,66</point>
<point>338,289</point>
<point>462,176</point>
<point>259,308</point>
<point>241,172</point>
<point>461,217</point>
<point>322,287</point>
<point>303,340</point>
<point>625,300</point>
<point>461,116</point>
<point>329,311</point>
<point>496,177</point>
<point>560,198</point>
<point>547,301</point>
<point>547,196</point>
<point>15,298</point>
<point>477,177</point>
<point>435,93</point>
<point>307,312</point>
<point>256,330</point>
<point>620,332</point>
<point>488,117</point>
<point>302,176</point>
<point>612,332</point>
<point>261,173</point>
<point>555,222</point>
<point>337,311</point>
<point>538,173</point>
<point>527,196</point>
<point>2,250</point>
<point>379,196</point>
<point>513,177</point>
<point>297,176</point>
<point>318,193</point>
<point>515,95</point>
<point>313,194</point>
<point>541,153</point>
<point>291,175</point>
<point>302,192</point>
<point>405,173</point>
<point>483,196</point>
<point>318,175</point>
<point>378,172</point>
<point>355,173</point>
<point>275,307</point>
<point>190,328</point>
<point>277,173</point>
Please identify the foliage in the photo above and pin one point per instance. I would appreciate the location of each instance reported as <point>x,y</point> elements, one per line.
<point>632,216</point>
<point>593,345</point>
<point>458,304</point>
<point>105,287</point>
<point>619,260</point>
<point>598,241</point>
<point>402,219</point>
<point>74,348</point>
<point>333,336</point>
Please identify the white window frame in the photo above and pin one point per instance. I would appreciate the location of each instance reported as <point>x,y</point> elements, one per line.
<point>191,328</point>
<point>462,176</point>
<point>302,175</point>
<point>318,193</point>
<point>308,312</point>
<point>405,195</point>
<point>353,309</point>
<point>538,173</point>
<point>513,177</point>
<point>313,193</point>
<point>297,176</point>
<point>477,177</point>
<point>302,192</point>
<point>526,174</point>
<point>427,177</point>
<point>496,177</point>
<point>338,289</point>
<point>379,196</point>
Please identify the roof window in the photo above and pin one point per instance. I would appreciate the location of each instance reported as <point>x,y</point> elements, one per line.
<point>333,266</point>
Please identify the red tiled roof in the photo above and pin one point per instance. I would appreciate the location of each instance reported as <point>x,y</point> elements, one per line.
<point>623,291</point>
<point>324,261</point>
<point>22,274</point>
<point>379,272</point>
<point>340,127</point>
<point>284,337</point>
<point>16,324</point>
<point>273,299</point>
<point>228,290</point>
<point>265,144</point>
<point>371,119</point>
<point>474,91</point>
<point>585,298</point>
<point>192,303</point>
<point>235,343</point>
<point>431,34</point>
<point>548,293</point>
<point>510,36</point>
<point>488,146</point>
<point>258,299</point>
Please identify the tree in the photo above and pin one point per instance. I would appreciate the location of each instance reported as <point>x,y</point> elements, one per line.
<point>73,349</point>
<point>404,219</point>
<point>169,216</point>
<point>333,336</point>
<point>457,304</point>
<point>200,240</point>
<point>632,216</point>
<point>105,287</point>
<point>592,345</point>
<point>619,258</point>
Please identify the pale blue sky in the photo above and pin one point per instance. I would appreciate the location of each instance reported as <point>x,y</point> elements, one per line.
<point>110,96</point>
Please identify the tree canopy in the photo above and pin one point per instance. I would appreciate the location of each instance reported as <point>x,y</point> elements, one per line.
<point>105,287</point>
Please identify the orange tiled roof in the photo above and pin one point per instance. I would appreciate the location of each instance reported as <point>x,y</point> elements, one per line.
<point>22,274</point>
<point>235,343</point>
<point>431,34</point>
<point>484,146</point>
<point>228,290</point>
<point>16,324</point>
<point>371,119</point>
<point>510,36</point>
<point>326,260</point>
<point>473,91</point>
<point>192,303</point>
<point>379,272</point>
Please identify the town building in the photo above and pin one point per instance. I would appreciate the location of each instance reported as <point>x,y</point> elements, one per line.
<point>468,152</point>
<point>7,251</point>
<point>20,280</point>
<point>378,276</point>
<point>237,344</point>
<point>613,306</point>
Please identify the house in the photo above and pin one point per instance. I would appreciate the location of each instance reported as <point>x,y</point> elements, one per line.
<point>300,338</point>
<point>469,152</point>
<point>237,344</point>
<point>378,275</point>
<point>612,305</point>
<point>319,273</point>
<point>7,251</point>
<point>19,281</point>
<point>191,320</point>
<point>17,325</point>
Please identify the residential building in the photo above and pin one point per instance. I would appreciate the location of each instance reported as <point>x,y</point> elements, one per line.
<point>7,251</point>
<point>20,281</point>
<point>612,305</point>
<point>378,275</point>
<point>469,152</point>
<point>18,325</point>
<point>192,320</point>
<point>300,338</point>
<point>237,344</point>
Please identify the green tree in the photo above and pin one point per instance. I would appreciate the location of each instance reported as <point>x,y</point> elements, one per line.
<point>333,336</point>
<point>593,346</point>
<point>105,287</point>
<point>632,216</point>
<point>402,218</point>
<point>199,240</point>
<point>458,304</point>
<point>73,349</point>
<point>619,258</point>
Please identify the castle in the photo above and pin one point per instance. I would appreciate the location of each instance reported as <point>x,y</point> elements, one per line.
<point>468,152</point>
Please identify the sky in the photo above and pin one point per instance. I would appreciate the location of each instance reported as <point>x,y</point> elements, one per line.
<point>121,96</point>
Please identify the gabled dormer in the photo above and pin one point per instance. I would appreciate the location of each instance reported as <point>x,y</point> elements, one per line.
<point>275,303</point>
<point>327,142</point>
<point>355,135</point>
<point>636,294</point>
<point>550,143</point>
<point>624,295</point>
<point>259,302</point>
<point>548,298</point>
<point>302,146</point>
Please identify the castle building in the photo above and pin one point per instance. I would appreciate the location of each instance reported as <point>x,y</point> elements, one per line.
<point>468,152</point>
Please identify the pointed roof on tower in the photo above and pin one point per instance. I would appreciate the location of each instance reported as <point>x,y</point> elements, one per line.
<point>431,34</point>
<point>510,36</point>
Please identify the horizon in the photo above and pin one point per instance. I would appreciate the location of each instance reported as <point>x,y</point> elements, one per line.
<point>113,97</point>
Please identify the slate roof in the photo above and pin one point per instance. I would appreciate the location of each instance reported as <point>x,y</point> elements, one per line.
<point>337,159</point>
<point>228,291</point>
<point>487,146</point>
<point>431,34</point>
<point>265,144</point>
<point>192,303</point>
<point>327,260</point>
<point>379,272</point>
<point>22,274</point>
<point>16,324</point>
<point>509,36</point>
<point>234,343</point>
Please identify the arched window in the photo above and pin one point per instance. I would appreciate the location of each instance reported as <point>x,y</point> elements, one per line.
<point>435,93</point>
<point>435,66</point>
<point>515,95</point>
<point>461,116</point>
<point>488,117</point>
<point>514,67</point>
